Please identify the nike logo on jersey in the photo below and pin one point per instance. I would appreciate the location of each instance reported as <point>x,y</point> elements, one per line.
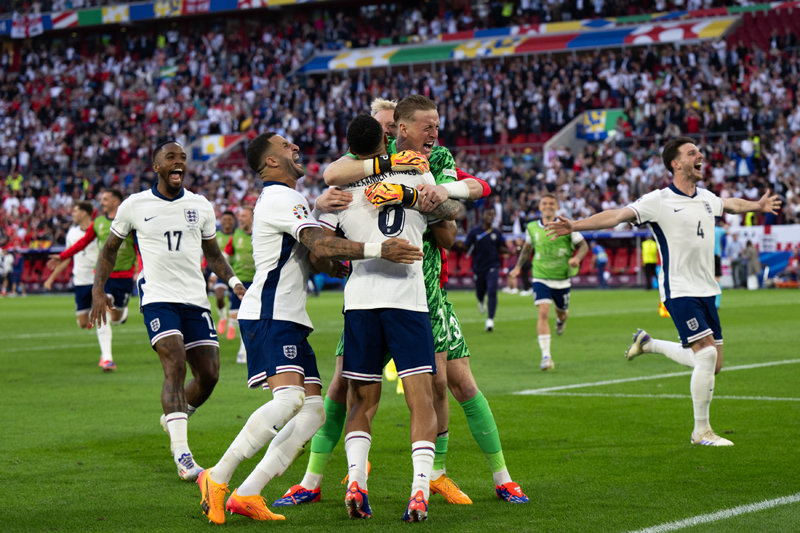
<point>676,210</point>
<point>147,219</point>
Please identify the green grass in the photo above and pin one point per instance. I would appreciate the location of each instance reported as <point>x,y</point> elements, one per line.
<point>82,451</point>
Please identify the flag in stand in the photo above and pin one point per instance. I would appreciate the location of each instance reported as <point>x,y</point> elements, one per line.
<point>64,19</point>
<point>23,26</point>
<point>214,145</point>
<point>192,7</point>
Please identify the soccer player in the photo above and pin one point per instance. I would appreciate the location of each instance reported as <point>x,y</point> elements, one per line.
<point>275,327</point>
<point>385,306</point>
<point>417,122</point>
<point>118,285</point>
<point>82,276</point>
<point>681,217</point>
<point>239,250</point>
<point>486,244</point>
<point>552,262</point>
<point>227,225</point>
<point>174,229</point>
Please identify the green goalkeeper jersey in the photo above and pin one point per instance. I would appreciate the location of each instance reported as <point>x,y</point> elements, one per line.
<point>551,257</point>
<point>242,261</point>
<point>126,255</point>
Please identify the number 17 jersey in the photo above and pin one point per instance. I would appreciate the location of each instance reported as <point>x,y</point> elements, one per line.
<point>169,234</point>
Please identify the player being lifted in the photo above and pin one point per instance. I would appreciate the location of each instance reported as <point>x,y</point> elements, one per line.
<point>681,217</point>
<point>174,229</point>
<point>552,263</point>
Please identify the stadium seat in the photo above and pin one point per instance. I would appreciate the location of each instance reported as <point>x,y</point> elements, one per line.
<point>620,261</point>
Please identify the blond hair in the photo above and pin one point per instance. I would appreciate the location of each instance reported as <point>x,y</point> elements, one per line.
<point>381,104</point>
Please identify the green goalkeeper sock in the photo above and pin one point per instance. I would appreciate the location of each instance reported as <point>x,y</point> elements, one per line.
<point>440,451</point>
<point>484,430</point>
<point>325,439</point>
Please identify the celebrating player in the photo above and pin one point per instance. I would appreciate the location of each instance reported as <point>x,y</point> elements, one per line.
<point>681,217</point>
<point>275,327</point>
<point>227,225</point>
<point>239,250</point>
<point>174,229</point>
<point>552,263</point>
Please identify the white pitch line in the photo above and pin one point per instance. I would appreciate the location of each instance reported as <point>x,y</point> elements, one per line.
<point>529,392</point>
<point>721,515</point>
<point>667,396</point>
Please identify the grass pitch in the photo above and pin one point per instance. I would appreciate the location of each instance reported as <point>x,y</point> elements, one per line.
<point>598,444</point>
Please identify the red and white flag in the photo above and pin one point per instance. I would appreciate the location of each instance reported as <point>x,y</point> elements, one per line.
<point>23,26</point>
<point>191,7</point>
<point>64,19</point>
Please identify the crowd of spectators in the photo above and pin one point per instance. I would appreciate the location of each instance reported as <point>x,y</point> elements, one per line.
<point>79,115</point>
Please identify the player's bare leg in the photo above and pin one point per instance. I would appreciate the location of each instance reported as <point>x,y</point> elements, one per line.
<point>543,331</point>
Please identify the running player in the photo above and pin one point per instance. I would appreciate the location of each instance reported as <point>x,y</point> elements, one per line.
<point>239,250</point>
<point>227,225</point>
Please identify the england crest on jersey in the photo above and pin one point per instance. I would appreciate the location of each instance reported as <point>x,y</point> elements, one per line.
<point>290,351</point>
<point>155,325</point>
<point>693,324</point>
<point>708,208</point>
<point>191,216</point>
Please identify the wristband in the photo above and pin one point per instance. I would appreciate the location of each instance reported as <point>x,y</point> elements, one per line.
<point>458,190</point>
<point>372,250</point>
<point>233,281</point>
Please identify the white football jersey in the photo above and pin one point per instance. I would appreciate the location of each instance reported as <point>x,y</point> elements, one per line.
<point>378,283</point>
<point>684,230</point>
<point>279,285</point>
<point>84,261</point>
<point>169,235</point>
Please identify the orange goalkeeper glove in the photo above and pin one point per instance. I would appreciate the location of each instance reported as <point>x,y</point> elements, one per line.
<point>404,161</point>
<point>382,193</point>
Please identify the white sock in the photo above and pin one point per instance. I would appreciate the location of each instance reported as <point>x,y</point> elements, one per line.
<point>544,345</point>
<point>177,423</point>
<point>422,453</point>
<point>242,349</point>
<point>233,323</point>
<point>311,481</point>
<point>356,446</point>
<point>104,339</point>
<point>702,386</point>
<point>673,350</point>
<point>286,446</point>
<point>261,427</point>
<point>501,477</point>
<point>223,313</point>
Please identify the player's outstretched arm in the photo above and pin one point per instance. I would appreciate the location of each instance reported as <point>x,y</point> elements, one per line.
<point>347,170</point>
<point>59,268</point>
<point>602,220</point>
<point>102,270</point>
<point>219,266</point>
<point>769,203</point>
<point>327,247</point>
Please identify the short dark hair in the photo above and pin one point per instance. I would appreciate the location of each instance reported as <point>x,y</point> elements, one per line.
<point>364,135</point>
<point>670,152</point>
<point>257,150</point>
<point>86,207</point>
<point>116,193</point>
<point>161,146</point>
<point>228,212</point>
<point>411,104</point>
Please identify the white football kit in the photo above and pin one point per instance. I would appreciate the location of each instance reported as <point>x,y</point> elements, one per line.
<point>377,283</point>
<point>684,230</point>
<point>169,235</point>
<point>278,290</point>
<point>82,262</point>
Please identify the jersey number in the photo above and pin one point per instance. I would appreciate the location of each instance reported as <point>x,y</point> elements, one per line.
<point>177,235</point>
<point>700,230</point>
<point>391,220</point>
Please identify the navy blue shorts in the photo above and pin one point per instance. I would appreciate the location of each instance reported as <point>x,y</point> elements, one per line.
<point>695,318</point>
<point>277,346</point>
<point>120,290</point>
<point>83,298</point>
<point>193,323</point>
<point>235,300</point>
<point>543,294</point>
<point>370,333</point>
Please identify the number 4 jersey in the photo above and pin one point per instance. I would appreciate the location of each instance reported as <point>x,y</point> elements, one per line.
<point>169,235</point>
<point>684,230</point>
<point>377,283</point>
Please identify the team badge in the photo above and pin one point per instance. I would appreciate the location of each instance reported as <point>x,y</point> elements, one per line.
<point>290,351</point>
<point>300,212</point>
<point>155,325</point>
<point>693,324</point>
<point>191,216</point>
<point>708,208</point>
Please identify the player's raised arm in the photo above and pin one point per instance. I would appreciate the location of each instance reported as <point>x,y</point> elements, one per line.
<point>219,266</point>
<point>603,220</point>
<point>327,247</point>
<point>347,170</point>
<point>102,270</point>
<point>769,203</point>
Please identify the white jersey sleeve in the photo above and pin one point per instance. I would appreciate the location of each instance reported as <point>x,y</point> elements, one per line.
<point>84,261</point>
<point>576,238</point>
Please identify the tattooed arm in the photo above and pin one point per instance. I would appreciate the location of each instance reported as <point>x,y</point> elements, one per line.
<point>327,247</point>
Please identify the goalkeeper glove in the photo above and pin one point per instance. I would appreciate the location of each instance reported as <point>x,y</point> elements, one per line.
<point>382,193</point>
<point>404,161</point>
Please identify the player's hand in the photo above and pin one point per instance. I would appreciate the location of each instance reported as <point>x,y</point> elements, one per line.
<point>53,261</point>
<point>332,199</point>
<point>400,162</point>
<point>400,251</point>
<point>769,203</point>
<point>514,272</point>
<point>48,284</point>
<point>339,269</point>
<point>573,262</point>
<point>560,226</point>
<point>101,304</point>
<point>239,290</point>
<point>382,193</point>
<point>430,197</point>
